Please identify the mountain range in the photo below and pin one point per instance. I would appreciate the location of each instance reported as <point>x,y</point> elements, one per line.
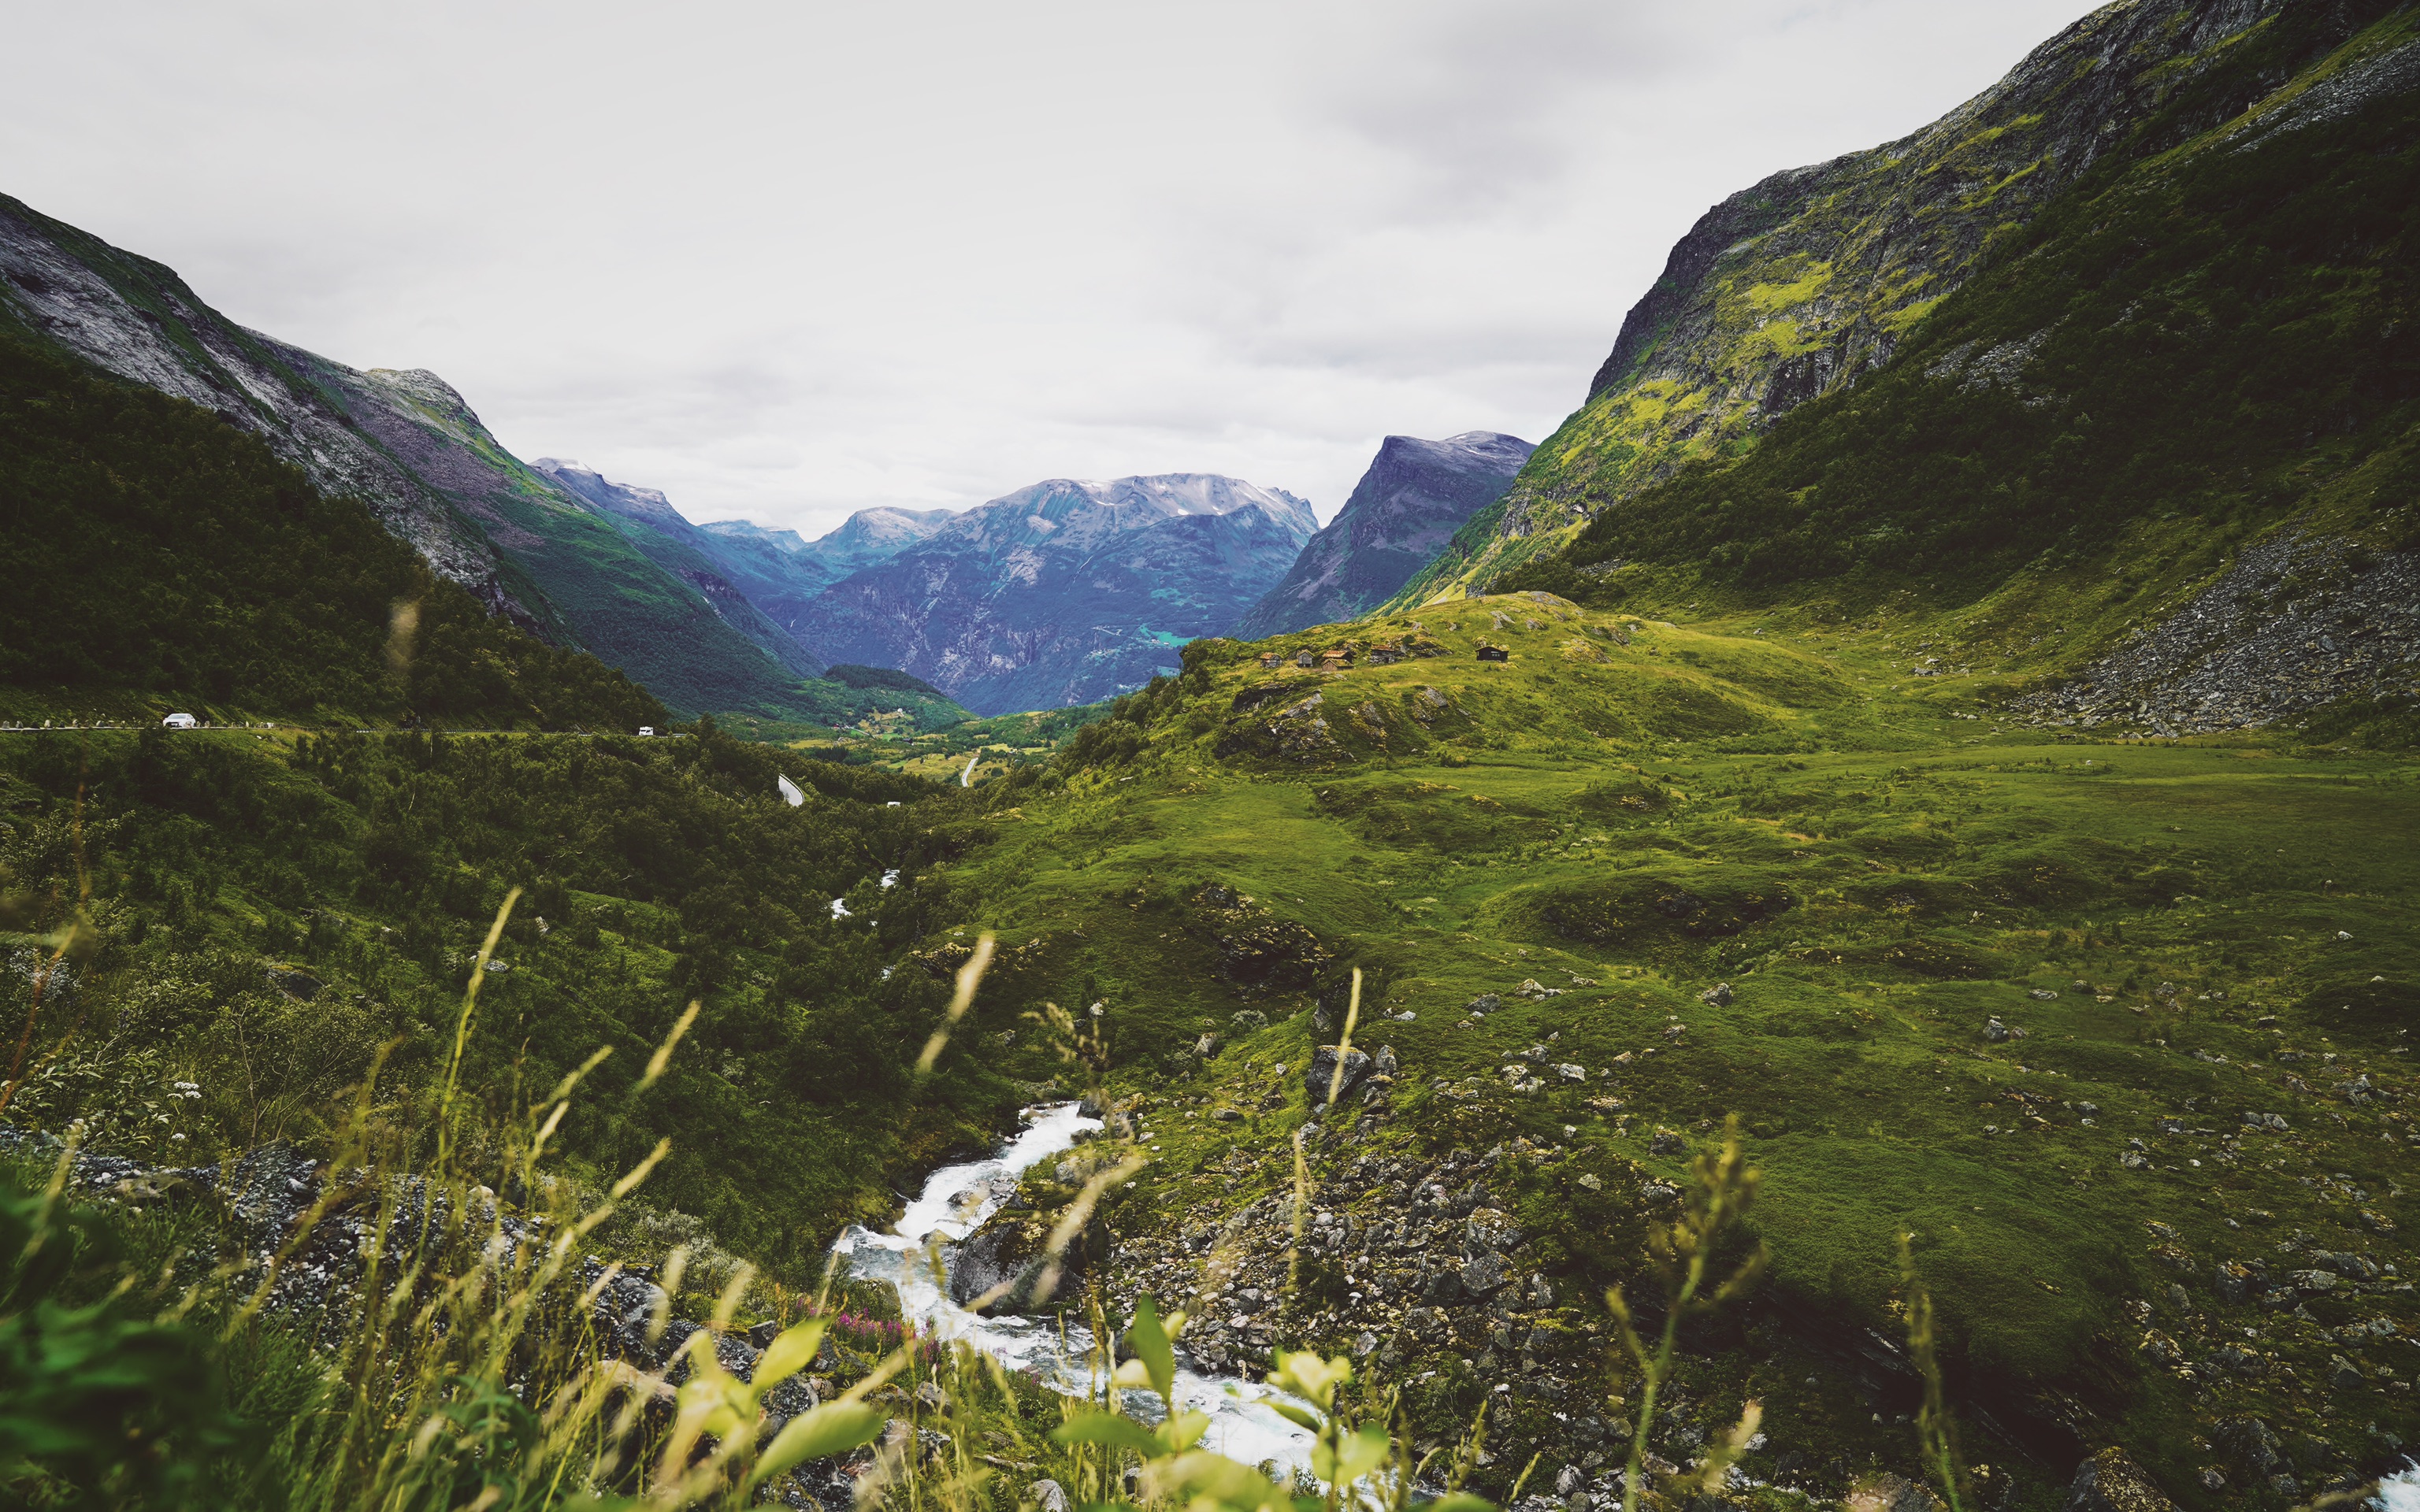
<point>1065,592</point>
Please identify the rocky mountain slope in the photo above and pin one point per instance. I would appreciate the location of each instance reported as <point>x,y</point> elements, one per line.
<point>1065,593</point>
<point>408,446</point>
<point>2154,466</point>
<point>685,550</point>
<point>1807,282</point>
<point>1403,511</point>
<point>781,571</point>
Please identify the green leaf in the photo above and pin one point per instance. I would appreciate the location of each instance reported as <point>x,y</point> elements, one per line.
<point>1299,1416</point>
<point>1199,1472</point>
<point>826,1431</point>
<point>1110,1429</point>
<point>788,1354</point>
<point>1357,1454</point>
<point>1148,1342</point>
<point>1183,1431</point>
<point>1457,1502</point>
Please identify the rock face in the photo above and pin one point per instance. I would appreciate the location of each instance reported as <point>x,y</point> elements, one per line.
<point>134,319</point>
<point>405,444</point>
<point>1065,593</point>
<point>1401,512</point>
<point>1804,282</point>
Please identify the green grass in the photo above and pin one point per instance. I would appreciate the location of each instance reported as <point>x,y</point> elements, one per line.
<point>1874,883</point>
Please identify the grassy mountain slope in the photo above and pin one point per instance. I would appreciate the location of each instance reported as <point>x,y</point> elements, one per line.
<point>1597,833</point>
<point>1810,283</point>
<point>267,915</point>
<point>406,445</point>
<point>159,558</point>
<point>2199,362</point>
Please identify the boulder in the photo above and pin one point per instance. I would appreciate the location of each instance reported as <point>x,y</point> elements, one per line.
<point>2110,1481</point>
<point>1322,1075</point>
<point>1047,1496</point>
<point>1719,994</point>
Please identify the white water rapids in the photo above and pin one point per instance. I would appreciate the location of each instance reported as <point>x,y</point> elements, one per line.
<point>955,1201</point>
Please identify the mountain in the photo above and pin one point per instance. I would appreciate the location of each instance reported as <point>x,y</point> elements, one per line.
<point>408,446</point>
<point>1065,593</point>
<point>2154,459</point>
<point>159,560</point>
<point>1811,280</point>
<point>687,552</point>
<point>781,571</point>
<point>1401,512</point>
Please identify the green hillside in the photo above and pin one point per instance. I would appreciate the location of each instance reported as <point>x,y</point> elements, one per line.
<point>160,558</point>
<point>1627,814</point>
<point>2178,359</point>
<point>2121,227</point>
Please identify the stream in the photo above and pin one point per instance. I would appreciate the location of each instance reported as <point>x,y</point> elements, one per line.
<point>955,1201</point>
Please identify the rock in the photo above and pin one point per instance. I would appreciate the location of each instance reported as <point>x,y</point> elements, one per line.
<point>1570,1074</point>
<point>1485,1003</point>
<point>1384,1064</point>
<point>1591,1181</point>
<point>1719,994</point>
<point>1668,1143</point>
<point>300,985</point>
<point>1047,1496</point>
<point>932,1397</point>
<point>1535,991</point>
<point>1322,1075</point>
<point>2344,1375</point>
<point>1999,1033</point>
<point>2110,1481</point>
<point>1485,1274</point>
<point>1888,1492</point>
<point>1206,1046</point>
<point>2041,994</point>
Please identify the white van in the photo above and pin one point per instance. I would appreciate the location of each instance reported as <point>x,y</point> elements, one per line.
<point>646,729</point>
<point>180,721</point>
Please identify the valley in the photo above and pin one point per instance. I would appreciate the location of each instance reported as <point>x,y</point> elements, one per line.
<point>1836,933</point>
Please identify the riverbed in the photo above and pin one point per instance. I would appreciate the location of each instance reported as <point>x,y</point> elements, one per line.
<point>955,1201</point>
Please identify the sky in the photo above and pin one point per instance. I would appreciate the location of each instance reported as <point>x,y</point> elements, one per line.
<point>784,261</point>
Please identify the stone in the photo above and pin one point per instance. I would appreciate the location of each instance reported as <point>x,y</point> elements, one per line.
<point>1484,1004</point>
<point>1570,1074</point>
<point>1668,1143</point>
<point>2111,1481</point>
<point>1999,1033</point>
<point>1047,1496</point>
<point>1384,1064</point>
<point>1719,994</point>
<point>2344,1375</point>
<point>300,985</point>
<point>1485,1274</point>
<point>2041,994</point>
<point>1321,1076</point>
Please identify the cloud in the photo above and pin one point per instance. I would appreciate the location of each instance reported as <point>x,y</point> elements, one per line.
<point>783,261</point>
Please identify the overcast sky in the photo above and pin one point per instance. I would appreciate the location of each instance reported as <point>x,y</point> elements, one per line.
<point>787,260</point>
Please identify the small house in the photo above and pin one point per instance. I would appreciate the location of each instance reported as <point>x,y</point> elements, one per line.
<point>1271,661</point>
<point>1335,661</point>
<point>1387,656</point>
<point>1304,658</point>
<point>180,721</point>
<point>646,729</point>
<point>1493,653</point>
